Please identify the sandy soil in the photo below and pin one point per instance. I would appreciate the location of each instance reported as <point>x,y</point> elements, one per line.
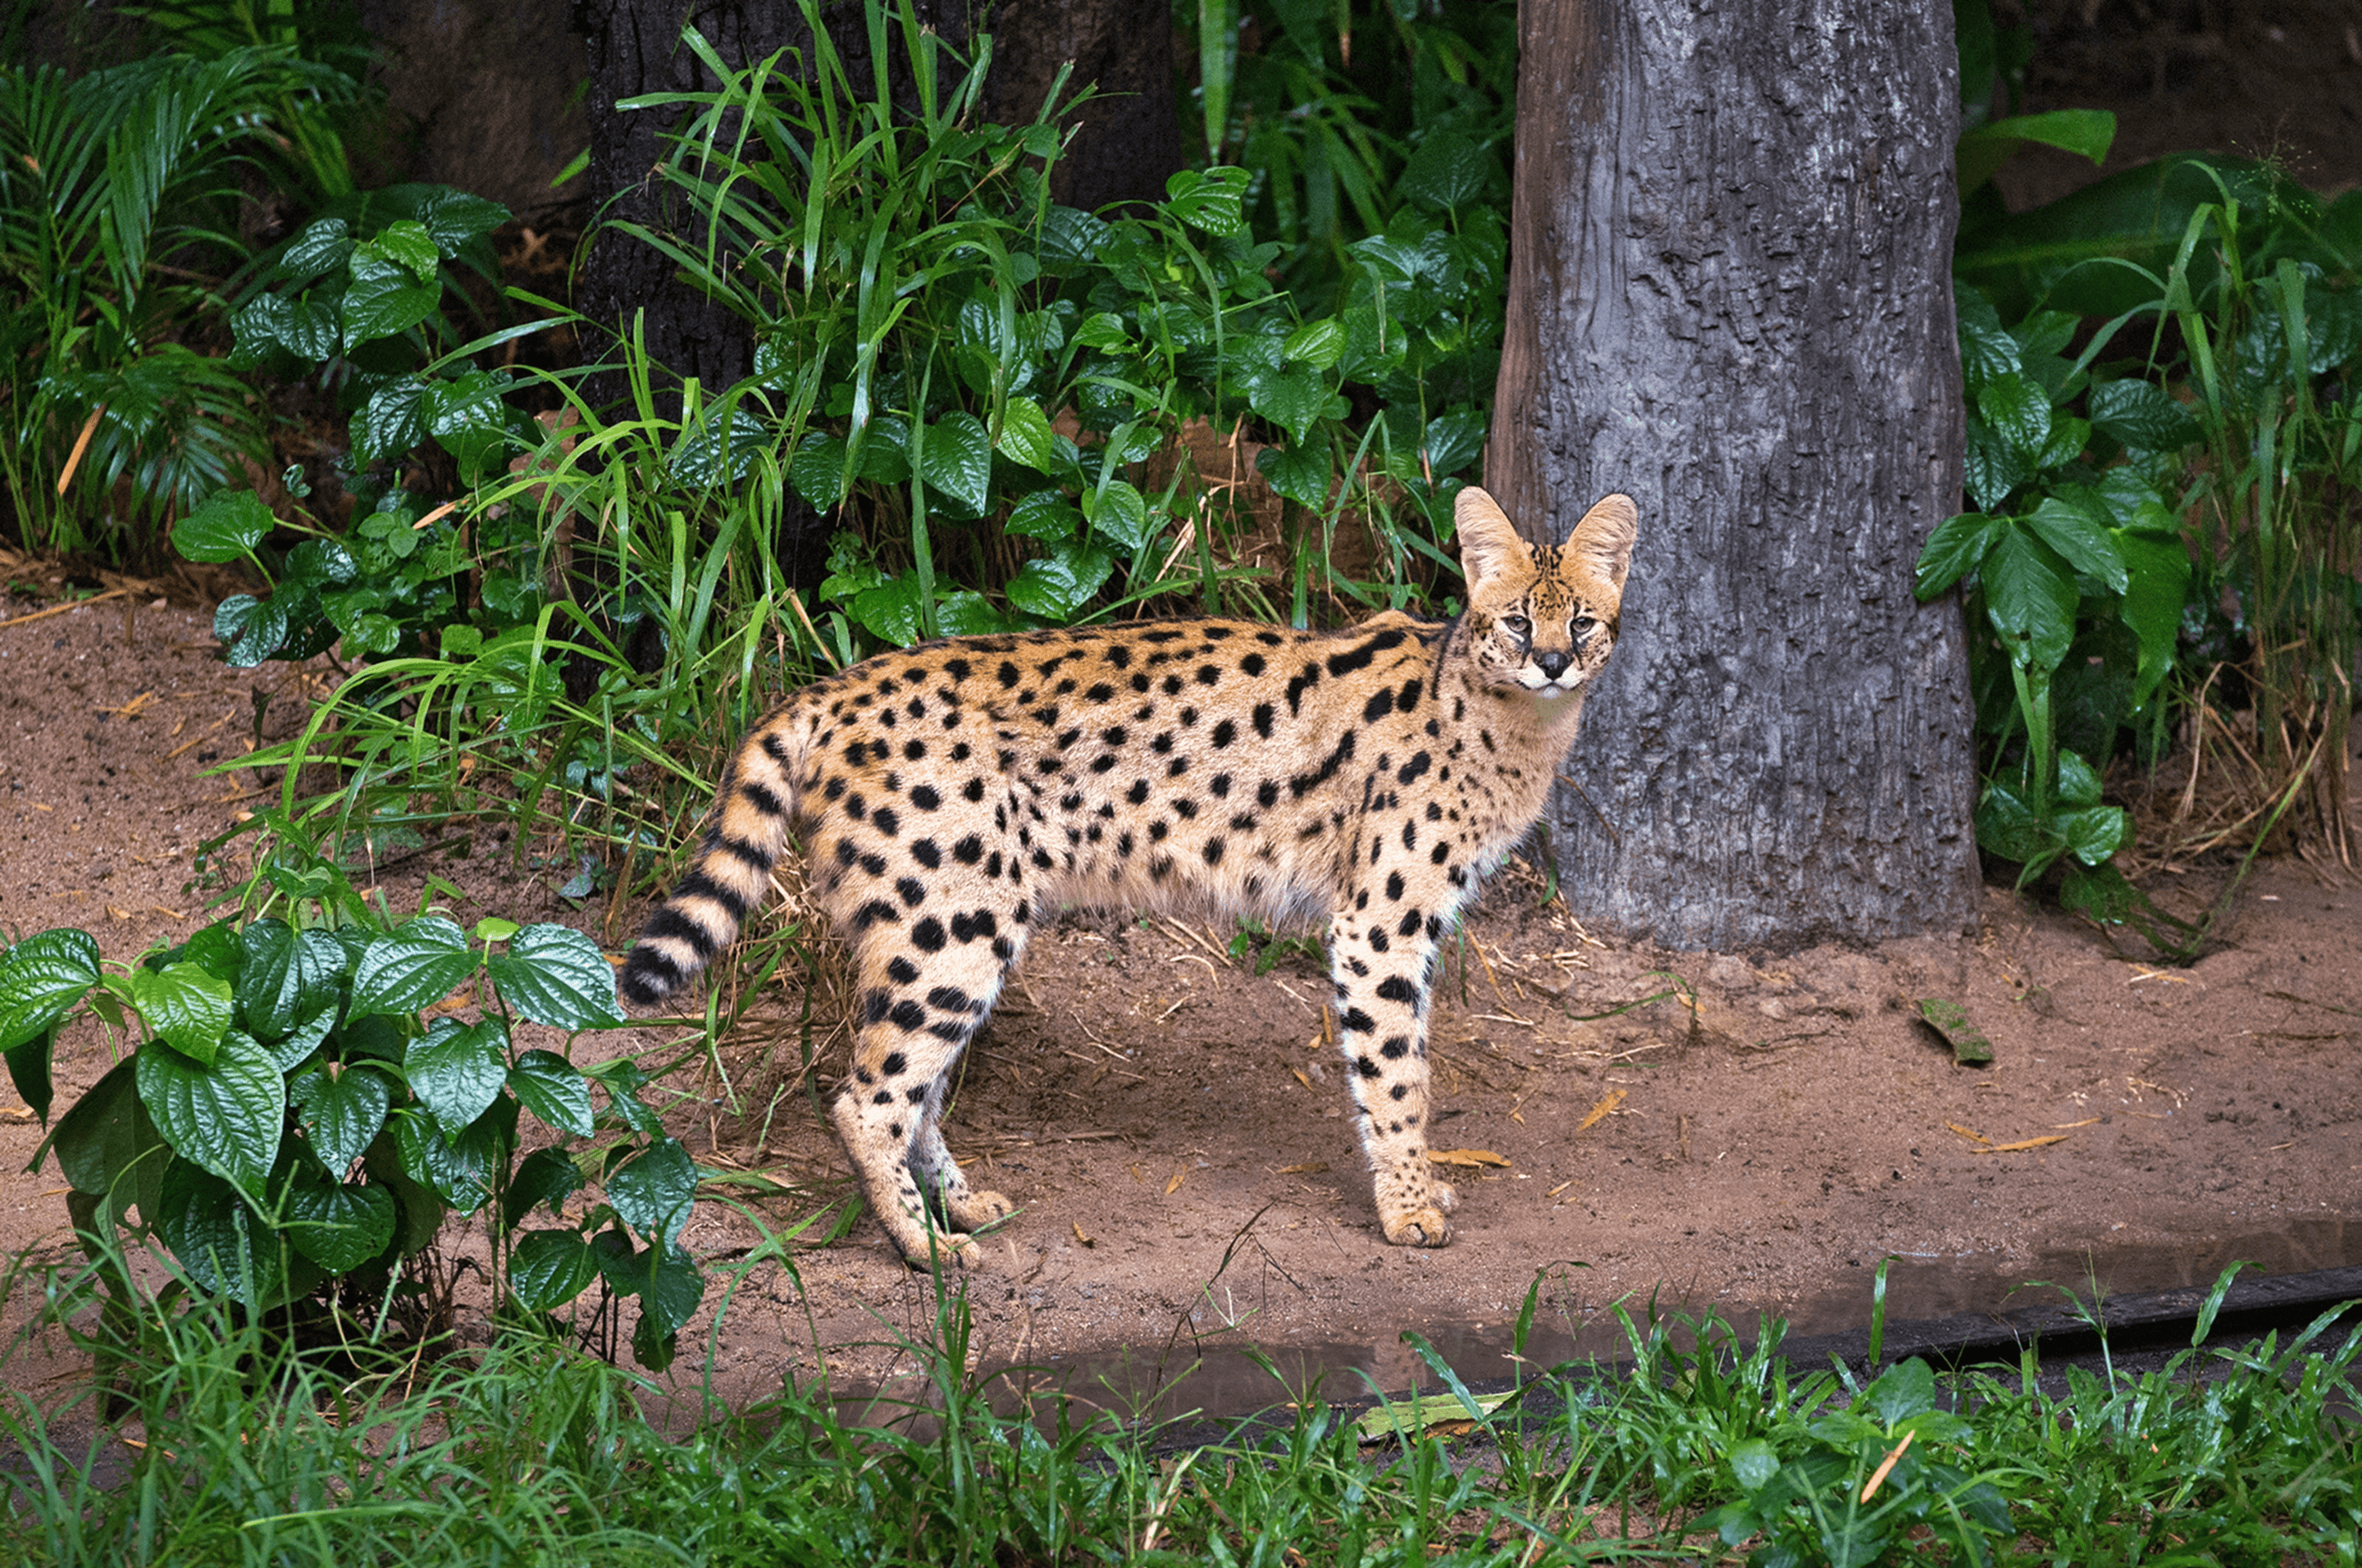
<point>1179,1138</point>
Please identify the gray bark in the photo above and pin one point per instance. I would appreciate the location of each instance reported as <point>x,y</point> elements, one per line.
<point>1731,298</point>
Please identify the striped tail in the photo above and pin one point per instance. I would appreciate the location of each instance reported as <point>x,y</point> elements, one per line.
<point>732,874</point>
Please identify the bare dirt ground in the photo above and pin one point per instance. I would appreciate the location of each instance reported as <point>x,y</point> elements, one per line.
<point>1179,1140</point>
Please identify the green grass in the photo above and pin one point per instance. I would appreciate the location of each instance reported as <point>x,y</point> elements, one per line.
<point>528,1453</point>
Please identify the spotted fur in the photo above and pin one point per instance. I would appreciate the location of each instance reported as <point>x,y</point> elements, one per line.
<point>952,794</point>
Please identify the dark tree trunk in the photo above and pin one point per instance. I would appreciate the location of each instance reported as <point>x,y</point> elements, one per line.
<point>1730,297</point>
<point>1129,140</point>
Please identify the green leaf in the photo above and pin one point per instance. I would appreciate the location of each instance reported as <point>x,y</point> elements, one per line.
<point>1300,473</point>
<point>282,974</point>
<point>225,528</point>
<point>451,218</point>
<point>1905,1389</point>
<point>104,1137</point>
<point>955,461</point>
<point>2006,826</point>
<point>419,962</point>
<point>28,1069</point>
<point>2159,574</point>
<point>340,1108</point>
<point>1319,343</point>
<point>225,1117</point>
<point>549,1268</point>
<point>405,243</point>
<point>2085,132</point>
<point>816,468</point>
<point>1293,400</point>
<point>392,422</point>
<point>1209,200</point>
<point>555,975</point>
<point>1059,584</point>
<point>2143,415</point>
<point>1044,515</point>
<point>546,1175</point>
<point>1448,170</point>
<point>1988,351</point>
<point>653,1193</point>
<point>1026,436</point>
<point>721,451</point>
<point>249,629</point>
<point>2018,412</point>
<point>1119,513</point>
<point>1452,441</point>
<point>42,979</point>
<point>2078,782</point>
<point>459,1170</point>
<point>322,246</point>
<point>456,1069</point>
<point>338,1225</point>
<point>290,1050</point>
<point>217,1239</point>
<point>1954,549</point>
<point>2074,521</point>
<point>553,1089</point>
<point>1753,1464</point>
<point>187,1007</point>
<point>385,297</point>
<point>2030,596</point>
<point>2093,833</point>
<point>1103,331</point>
<point>889,610</point>
<point>969,614</point>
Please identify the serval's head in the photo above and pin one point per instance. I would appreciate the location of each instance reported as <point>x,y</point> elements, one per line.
<point>1542,617</point>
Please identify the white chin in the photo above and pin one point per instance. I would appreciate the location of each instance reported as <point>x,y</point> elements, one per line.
<point>1550,693</point>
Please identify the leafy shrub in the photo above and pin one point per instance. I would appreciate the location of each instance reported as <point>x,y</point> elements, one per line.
<point>302,1109</point>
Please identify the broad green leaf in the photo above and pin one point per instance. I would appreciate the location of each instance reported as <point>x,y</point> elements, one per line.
<point>549,1268</point>
<point>392,422</point>
<point>1447,170</point>
<point>406,243</point>
<point>187,1007</point>
<point>225,528</point>
<point>546,1175</point>
<point>1318,344</point>
<point>968,614</point>
<point>285,975</point>
<point>456,1069</point>
<point>42,979</point>
<point>1452,441</point>
<point>556,976</point>
<point>1987,350</point>
<point>216,1238</point>
<point>493,928</point>
<point>1302,474</point>
<point>890,610</point>
<point>653,1192</point>
<point>2093,833</point>
<point>1056,586</point>
<point>249,629</point>
<point>338,1225</point>
<point>1105,332</point>
<point>1119,513</point>
<point>675,1286</point>
<point>2030,596</point>
<point>1293,400</point>
<point>340,1108</point>
<point>2018,411</point>
<point>1753,1464</point>
<point>106,1142</point>
<point>2085,132</point>
<point>885,450</point>
<point>322,246</point>
<point>1953,550</point>
<point>553,1089</point>
<point>1209,200</point>
<point>2143,415</point>
<point>225,1116</point>
<point>721,451</point>
<point>955,461</point>
<point>384,299</point>
<point>451,218</point>
<point>2006,826</point>
<point>1044,515</point>
<point>290,1050</point>
<point>2078,782</point>
<point>29,1070</point>
<point>816,468</point>
<point>2159,573</point>
<point>1992,466</point>
<point>2074,521</point>
<point>1070,237</point>
<point>1026,436</point>
<point>460,1170</point>
<point>419,962</point>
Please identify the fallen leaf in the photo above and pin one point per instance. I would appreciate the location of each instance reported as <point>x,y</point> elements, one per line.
<point>1301,1079</point>
<point>118,913</point>
<point>1081,1237</point>
<point>1467,1157</point>
<point>2070,1126</point>
<point>21,1112</point>
<point>1886,1467</point>
<point>1950,1019</point>
<point>129,710</point>
<point>2021,1145</point>
<point>1559,1188</point>
<point>1601,1111</point>
<point>1970,1133</point>
<point>1432,1412</point>
<point>1309,1168</point>
<point>1174,1185</point>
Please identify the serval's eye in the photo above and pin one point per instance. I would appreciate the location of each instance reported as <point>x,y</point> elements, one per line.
<point>1584,626</point>
<point>1517,625</point>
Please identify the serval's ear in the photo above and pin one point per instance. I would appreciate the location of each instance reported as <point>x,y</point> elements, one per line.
<point>1487,543</point>
<point>1603,540</point>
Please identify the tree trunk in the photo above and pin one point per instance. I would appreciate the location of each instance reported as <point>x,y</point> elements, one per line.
<point>1730,297</point>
